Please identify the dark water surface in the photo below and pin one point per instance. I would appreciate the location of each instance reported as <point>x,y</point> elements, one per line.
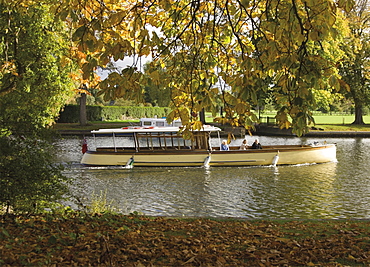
<point>320,191</point>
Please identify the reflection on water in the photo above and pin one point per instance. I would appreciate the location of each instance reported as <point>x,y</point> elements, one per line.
<point>331,190</point>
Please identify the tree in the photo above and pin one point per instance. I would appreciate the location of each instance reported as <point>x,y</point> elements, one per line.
<point>35,81</point>
<point>200,43</point>
<point>83,113</point>
<point>156,93</point>
<point>325,100</point>
<point>355,68</point>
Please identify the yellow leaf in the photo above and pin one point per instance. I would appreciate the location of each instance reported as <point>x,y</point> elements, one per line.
<point>154,76</point>
<point>333,81</point>
<point>197,125</point>
<point>144,33</point>
<point>145,51</point>
<point>314,36</point>
<point>287,125</point>
<point>351,257</point>
<point>294,111</point>
<point>245,3</point>
<point>240,108</point>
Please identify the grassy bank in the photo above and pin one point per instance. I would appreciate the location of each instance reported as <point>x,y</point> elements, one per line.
<point>337,119</point>
<point>93,125</point>
<point>345,127</point>
<point>325,125</point>
<point>116,240</point>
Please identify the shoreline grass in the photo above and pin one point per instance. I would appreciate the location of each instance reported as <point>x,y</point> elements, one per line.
<point>328,124</point>
<point>343,128</point>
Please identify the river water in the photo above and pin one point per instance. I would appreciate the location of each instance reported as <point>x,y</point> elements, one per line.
<point>333,190</point>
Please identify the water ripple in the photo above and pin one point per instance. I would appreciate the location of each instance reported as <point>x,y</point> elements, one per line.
<point>332,190</point>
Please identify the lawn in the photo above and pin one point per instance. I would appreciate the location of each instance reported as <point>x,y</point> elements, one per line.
<point>333,122</point>
<point>340,123</point>
<point>337,119</point>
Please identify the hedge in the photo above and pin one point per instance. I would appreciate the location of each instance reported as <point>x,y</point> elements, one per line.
<point>70,113</point>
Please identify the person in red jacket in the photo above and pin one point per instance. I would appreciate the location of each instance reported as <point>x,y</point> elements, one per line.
<point>84,146</point>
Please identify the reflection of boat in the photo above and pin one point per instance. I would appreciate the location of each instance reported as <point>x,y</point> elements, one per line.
<point>153,146</point>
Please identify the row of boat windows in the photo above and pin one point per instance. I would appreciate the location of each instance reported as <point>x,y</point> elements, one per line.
<point>159,141</point>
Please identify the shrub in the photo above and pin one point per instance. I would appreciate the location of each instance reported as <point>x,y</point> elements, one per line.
<point>70,113</point>
<point>29,178</point>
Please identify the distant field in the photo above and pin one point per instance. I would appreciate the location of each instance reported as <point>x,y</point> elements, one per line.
<point>329,119</point>
<point>331,122</point>
<point>337,119</point>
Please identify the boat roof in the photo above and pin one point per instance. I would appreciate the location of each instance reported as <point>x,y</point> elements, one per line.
<point>150,129</point>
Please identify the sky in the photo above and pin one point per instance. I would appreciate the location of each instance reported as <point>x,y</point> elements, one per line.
<point>121,64</point>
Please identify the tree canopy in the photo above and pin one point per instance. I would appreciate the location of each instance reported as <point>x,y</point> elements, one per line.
<point>34,80</point>
<point>355,66</point>
<point>229,50</point>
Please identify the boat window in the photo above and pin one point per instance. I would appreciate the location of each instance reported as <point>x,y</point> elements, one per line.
<point>153,140</point>
<point>172,140</point>
<point>118,142</point>
<point>147,123</point>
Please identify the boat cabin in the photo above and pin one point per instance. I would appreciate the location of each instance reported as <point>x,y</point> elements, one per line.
<point>151,137</point>
<point>158,122</point>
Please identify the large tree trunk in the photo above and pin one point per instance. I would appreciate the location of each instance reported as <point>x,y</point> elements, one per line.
<point>202,116</point>
<point>83,115</point>
<point>359,120</point>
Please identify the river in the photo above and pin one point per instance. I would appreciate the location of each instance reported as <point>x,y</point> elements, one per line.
<point>335,190</point>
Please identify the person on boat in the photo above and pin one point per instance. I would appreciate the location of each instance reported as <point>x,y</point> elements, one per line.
<point>256,144</point>
<point>244,145</point>
<point>224,145</point>
<point>84,146</point>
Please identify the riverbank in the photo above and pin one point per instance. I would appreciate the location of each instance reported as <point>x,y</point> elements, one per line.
<point>80,239</point>
<point>261,130</point>
<point>314,132</point>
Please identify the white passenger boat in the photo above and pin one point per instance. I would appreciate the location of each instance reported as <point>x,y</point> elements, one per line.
<point>149,145</point>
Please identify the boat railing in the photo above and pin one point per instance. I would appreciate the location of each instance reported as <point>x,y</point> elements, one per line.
<point>264,148</point>
<point>143,149</point>
<point>112,149</point>
<point>189,148</point>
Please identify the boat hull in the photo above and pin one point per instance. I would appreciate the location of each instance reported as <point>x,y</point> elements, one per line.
<point>276,155</point>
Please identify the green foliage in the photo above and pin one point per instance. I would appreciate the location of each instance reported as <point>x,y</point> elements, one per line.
<point>33,82</point>
<point>212,53</point>
<point>29,178</point>
<point>69,113</point>
<point>325,99</point>
<point>98,113</point>
<point>208,54</point>
<point>156,92</point>
<point>100,204</point>
<point>355,67</point>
